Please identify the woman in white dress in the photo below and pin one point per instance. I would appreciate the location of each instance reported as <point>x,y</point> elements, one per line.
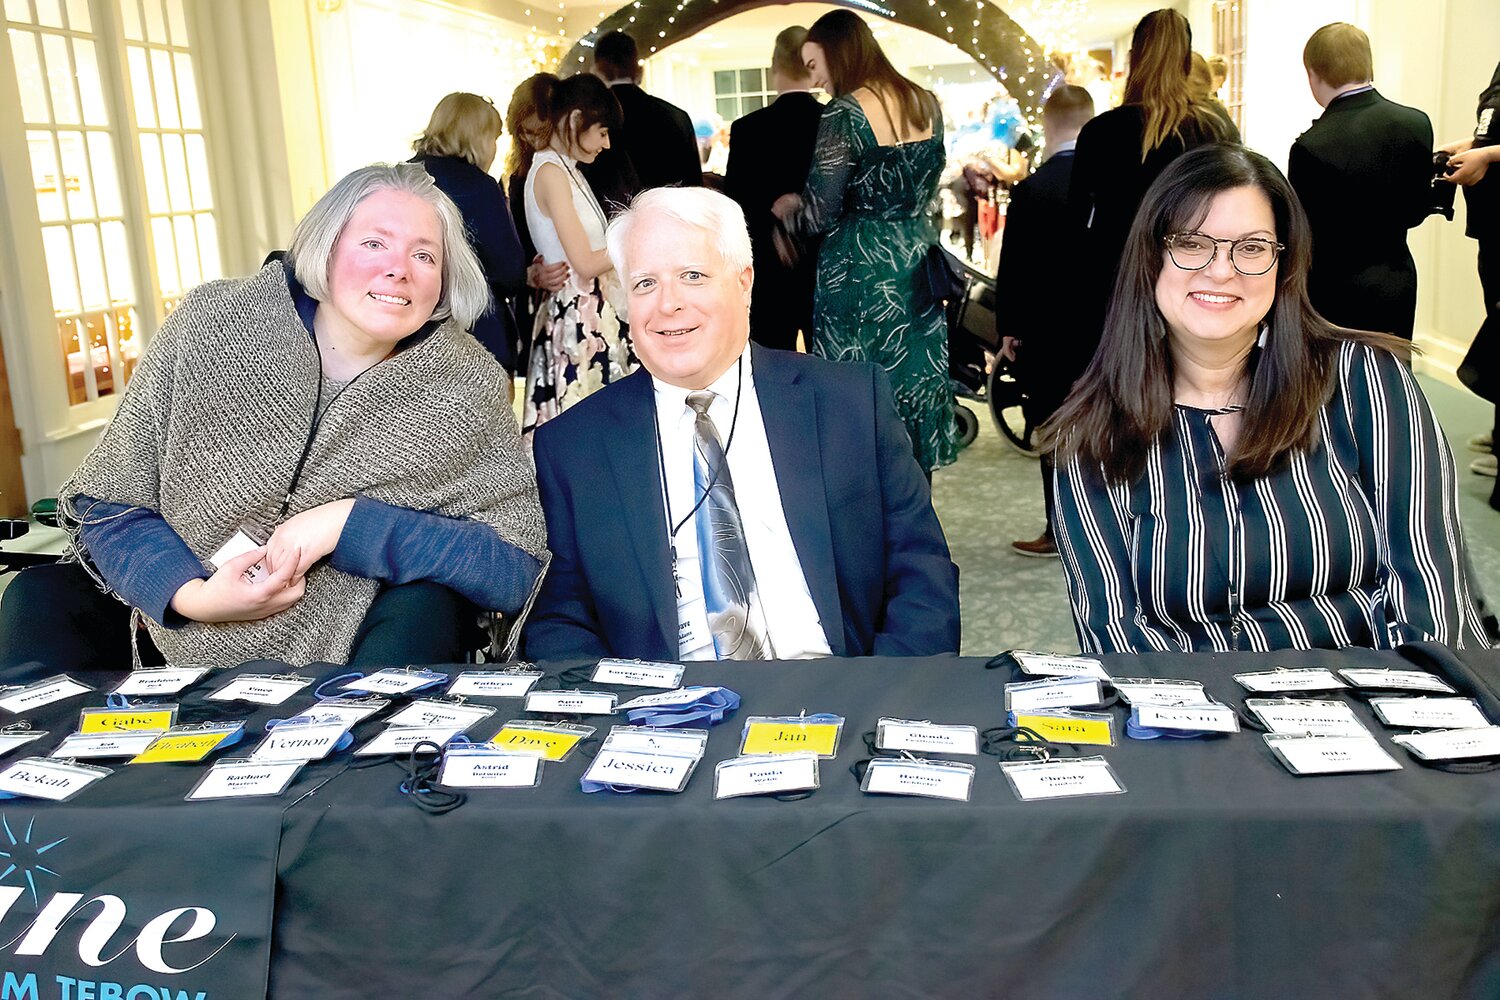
<point>580,342</point>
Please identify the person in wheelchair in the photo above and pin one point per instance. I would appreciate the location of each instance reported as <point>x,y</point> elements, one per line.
<point>314,463</point>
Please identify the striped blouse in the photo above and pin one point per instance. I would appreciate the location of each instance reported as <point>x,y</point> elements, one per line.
<point>1355,543</point>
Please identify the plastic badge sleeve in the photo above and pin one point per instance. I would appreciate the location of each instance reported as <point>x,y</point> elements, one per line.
<point>1063,778</point>
<point>766,774</point>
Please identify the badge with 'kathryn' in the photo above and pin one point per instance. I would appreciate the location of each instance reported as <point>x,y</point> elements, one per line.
<point>494,683</point>
<point>904,734</point>
<point>1053,692</point>
<point>234,779</point>
<point>765,774</point>
<point>489,767</point>
<point>187,744</point>
<point>1062,726</point>
<point>639,673</point>
<point>153,718</point>
<point>658,772</point>
<point>932,779</point>
<point>159,680</point>
<point>40,778</point>
<point>23,699</point>
<point>817,734</point>
<point>1059,779</point>
<point>261,689</point>
<point>552,741</point>
<point>572,702</point>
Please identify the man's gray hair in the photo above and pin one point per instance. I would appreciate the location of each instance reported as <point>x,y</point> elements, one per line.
<point>702,208</point>
<point>466,293</point>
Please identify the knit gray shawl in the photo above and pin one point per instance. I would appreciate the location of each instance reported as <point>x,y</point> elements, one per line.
<point>217,413</point>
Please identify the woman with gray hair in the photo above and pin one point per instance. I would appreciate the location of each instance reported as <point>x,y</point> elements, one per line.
<point>306,463</point>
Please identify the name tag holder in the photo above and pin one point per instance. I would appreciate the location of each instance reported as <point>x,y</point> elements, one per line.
<point>188,744</point>
<point>1034,664</point>
<point>159,680</point>
<point>127,718</point>
<point>238,778</point>
<point>1306,716</point>
<point>630,771</point>
<point>1159,691</point>
<point>1429,713</point>
<point>774,774</point>
<point>408,740</point>
<point>909,775</point>
<point>395,681</point>
<point>1054,692</point>
<point>1068,727</point>
<point>477,765</point>
<point>1073,777</point>
<point>261,689</point>
<point>440,712</point>
<point>554,741</point>
<point>509,683</point>
<point>17,735</point>
<point>1471,750</point>
<point>48,778</point>
<point>638,673</point>
<point>572,702</point>
<point>654,739</point>
<point>1304,754</point>
<point>87,746</point>
<point>348,710</point>
<point>301,738</point>
<point>926,737</point>
<point>1151,721</point>
<point>19,698</point>
<point>1382,679</point>
<point>1294,679</point>
<point>771,734</point>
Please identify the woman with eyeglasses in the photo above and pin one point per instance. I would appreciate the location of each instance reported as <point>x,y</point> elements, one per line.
<point>1234,471</point>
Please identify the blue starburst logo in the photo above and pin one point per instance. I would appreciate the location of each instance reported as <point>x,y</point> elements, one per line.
<point>23,856</point>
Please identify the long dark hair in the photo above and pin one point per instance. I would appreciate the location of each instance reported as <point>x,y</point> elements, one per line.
<point>1161,52</point>
<point>1124,401</point>
<point>591,97</point>
<point>854,59</point>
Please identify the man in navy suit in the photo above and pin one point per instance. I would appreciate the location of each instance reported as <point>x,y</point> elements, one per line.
<point>846,556</point>
<point>770,151</point>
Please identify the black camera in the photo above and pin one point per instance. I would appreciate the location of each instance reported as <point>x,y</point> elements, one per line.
<point>1440,191</point>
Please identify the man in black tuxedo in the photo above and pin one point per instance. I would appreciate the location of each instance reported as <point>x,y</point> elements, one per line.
<point>657,146</point>
<point>1362,172</point>
<point>1040,242</point>
<point>770,151</point>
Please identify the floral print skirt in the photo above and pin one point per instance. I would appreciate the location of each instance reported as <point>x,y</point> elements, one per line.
<point>579,345</point>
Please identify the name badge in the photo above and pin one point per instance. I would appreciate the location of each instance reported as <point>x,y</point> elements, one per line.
<point>16,736</point>
<point>1053,665</point>
<point>23,699</point>
<point>159,680</point>
<point>187,744</point>
<point>638,673</point>
<point>1429,713</point>
<point>1151,691</point>
<point>127,720</point>
<point>347,711</point>
<point>40,778</point>
<point>261,689</point>
<point>817,734</point>
<point>629,769</point>
<point>1453,744</point>
<point>1282,679</point>
<point>551,742</point>
<point>239,543</point>
<point>404,739</point>
<point>1074,728</point>
<point>486,767</point>
<point>302,741</point>
<point>765,774</point>
<point>395,681</point>
<point>931,779</point>
<point>1308,716</point>
<point>233,779</point>
<point>85,745</point>
<point>494,683</point>
<point>1396,680</point>
<point>650,739</point>
<point>427,712</point>
<point>1060,779</point>
<point>1196,718</point>
<point>902,734</point>
<point>1330,754</point>
<point>1054,692</point>
<point>571,702</point>
<point>681,696</point>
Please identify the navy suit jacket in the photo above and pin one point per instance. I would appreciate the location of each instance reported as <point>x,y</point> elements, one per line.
<point>856,503</point>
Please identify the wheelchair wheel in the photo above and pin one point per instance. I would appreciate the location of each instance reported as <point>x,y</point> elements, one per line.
<point>968,424</point>
<point>1006,398</point>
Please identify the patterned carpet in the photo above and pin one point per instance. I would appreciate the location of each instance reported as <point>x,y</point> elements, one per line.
<point>993,496</point>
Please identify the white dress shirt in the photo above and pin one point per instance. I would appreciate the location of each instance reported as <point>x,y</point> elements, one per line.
<point>783,599</point>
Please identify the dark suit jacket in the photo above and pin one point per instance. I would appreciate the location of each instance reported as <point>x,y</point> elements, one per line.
<point>1362,173</point>
<point>492,235</point>
<point>770,151</point>
<point>656,147</point>
<point>859,510</point>
<point>1036,266</point>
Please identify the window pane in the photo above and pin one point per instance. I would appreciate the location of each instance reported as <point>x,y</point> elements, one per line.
<point>724,81</point>
<point>166,90</point>
<point>177,178</point>
<point>105,177</point>
<point>198,172</point>
<point>208,247</point>
<point>728,108</point>
<point>749,80</point>
<point>187,252</point>
<point>46,179</point>
<point>60,79</point>
<point>29,76</point>
<point>753,102</point>
<point>90,267</point>
<point>166,256</point>
<point>49,12</point>
<point>117,263</point>
<point>156,21</point>
<point>187,91</point>
<point>96,333</point>
<point>177,22</point>
<point>140,87</point>
<point>156,178</point>
<point>78,15</point>
<point>60,269</point>
<point>67,335</point>
<point>130,349</point>
<point>75,173</point>
<point>18,10</point>
<point>89,88</point>
<point>130,20</point>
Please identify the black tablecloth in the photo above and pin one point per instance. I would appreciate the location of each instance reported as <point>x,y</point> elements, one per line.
<point>1217,874</point>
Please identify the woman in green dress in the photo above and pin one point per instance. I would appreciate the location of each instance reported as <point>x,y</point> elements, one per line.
<point>874,173</point>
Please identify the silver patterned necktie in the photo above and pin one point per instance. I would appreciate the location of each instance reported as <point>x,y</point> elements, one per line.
<point>723,556</point>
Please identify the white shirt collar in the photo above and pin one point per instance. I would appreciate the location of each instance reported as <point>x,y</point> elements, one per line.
<point>671,400</point>
<point>1061,147</point>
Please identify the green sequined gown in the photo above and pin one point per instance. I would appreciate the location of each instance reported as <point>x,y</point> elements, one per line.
<point>872,202</point>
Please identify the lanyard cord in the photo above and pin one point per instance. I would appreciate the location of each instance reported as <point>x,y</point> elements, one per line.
<point>661,460</point>
<point>588,195</point>
<point>312,428</point>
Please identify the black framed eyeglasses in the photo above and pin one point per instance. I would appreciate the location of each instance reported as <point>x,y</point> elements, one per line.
<point>1250,256</point>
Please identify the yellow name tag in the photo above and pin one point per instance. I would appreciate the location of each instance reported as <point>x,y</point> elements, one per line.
<point>126,720</point>
<point>791,737</point>
<point>174,749</point>
<point>1093,732</point>
<point>549,746</point>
